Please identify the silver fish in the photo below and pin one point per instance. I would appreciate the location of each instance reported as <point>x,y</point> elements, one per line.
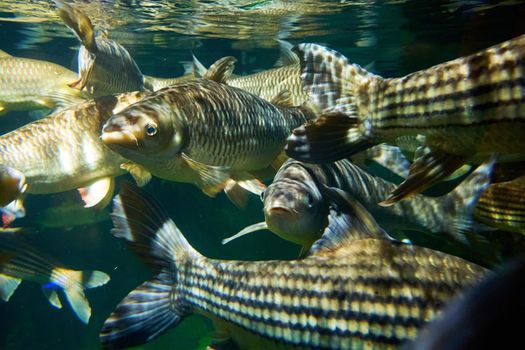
<point>355,288</point>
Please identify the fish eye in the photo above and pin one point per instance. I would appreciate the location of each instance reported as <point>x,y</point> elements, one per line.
<point>151,129</point>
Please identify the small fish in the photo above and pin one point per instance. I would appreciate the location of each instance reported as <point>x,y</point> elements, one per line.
<point>12,185</point>
<point>296,210</point>
<point>20,261</point>
<point>105,67</point>
<point>27,84</point>
<point>465,110</point>
<point>355,288</point>
<point>63,151</point>
<point>503,206</point>
<point>205,132</point>
<point>485,317</point>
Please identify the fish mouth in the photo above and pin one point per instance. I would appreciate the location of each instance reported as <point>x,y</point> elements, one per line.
<point>121,138</point>
<point>280,210</point>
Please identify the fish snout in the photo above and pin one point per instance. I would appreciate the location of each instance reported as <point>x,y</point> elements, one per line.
<point>118,132</point>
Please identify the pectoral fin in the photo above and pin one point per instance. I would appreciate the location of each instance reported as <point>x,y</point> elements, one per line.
<point>8,286</point>
<point>211,179</point>
<point>99,193</point>
<point>52,296</point>
<point>428,168</point>
<point>249,229</point>
<point>140,174</point>
<point>84,77</point>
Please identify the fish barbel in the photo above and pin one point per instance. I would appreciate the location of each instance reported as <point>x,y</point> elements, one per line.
<point>465,110</point>
<point>27,83</point>
<point>63,151</point>
<point>296,210</point>
<point>19,261</point>
<point>355,288</point>
<point>105,67</point>
<point>204,131</point>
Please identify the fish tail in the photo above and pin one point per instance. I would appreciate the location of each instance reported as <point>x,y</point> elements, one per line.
<point>156,305</point>
<point>503,206</point>
<point>74,283</point>
<point>79,23</point>
<point>333,85</point>
<point>465,196</point>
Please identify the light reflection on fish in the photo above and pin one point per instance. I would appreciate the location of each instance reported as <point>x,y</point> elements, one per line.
<point>465,109</point>
<point>20,261</point>
<point>354,289</point>
<point>27,84</point>
<point>296,210</point>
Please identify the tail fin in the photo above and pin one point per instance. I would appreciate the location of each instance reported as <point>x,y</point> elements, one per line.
<point>503,206</point>
<point>74,282</point>
<point>79,23</point>
<point>332,84</point>
<point>153,307</point>
<point>465,197</point>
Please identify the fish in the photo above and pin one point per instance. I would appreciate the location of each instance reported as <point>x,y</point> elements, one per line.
<point>296,210</point>
<point>502,206</point>
<point>105,67</point>
<point>20,261</point>
<point>482,318</point>
<point>27,84</point>
<point>355,288</point>
<point>205,132</point>
<point>465,110</point>
<point>12,185</point>
<point>63,151</point>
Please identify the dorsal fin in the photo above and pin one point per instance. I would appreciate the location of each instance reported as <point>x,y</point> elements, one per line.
<point>348,221</point>
<point>4,54</point>
<point>221,69</point>
<point>79,23</point>
<point>283,99</point>
<point>198,69</point>
<point>287,56</point>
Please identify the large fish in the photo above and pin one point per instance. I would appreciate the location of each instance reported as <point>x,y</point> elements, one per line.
<point>296,210</point>
<point>105,66</point>
<point>63,151</point>
<point>205,132</point>
<point>27,83</point>
<point>464,110</point>
<point>354,289</point>
<point>20,261</point>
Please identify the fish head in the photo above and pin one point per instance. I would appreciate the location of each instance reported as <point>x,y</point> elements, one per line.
<point>294,207</point>
<point>145,129</point>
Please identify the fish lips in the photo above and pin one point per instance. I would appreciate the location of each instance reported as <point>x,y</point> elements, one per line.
<point>118,135</point>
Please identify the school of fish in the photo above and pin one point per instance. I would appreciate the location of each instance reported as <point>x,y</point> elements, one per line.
<point>307,136</point>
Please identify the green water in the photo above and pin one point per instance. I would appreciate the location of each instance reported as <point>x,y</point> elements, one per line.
<point>396,37</point>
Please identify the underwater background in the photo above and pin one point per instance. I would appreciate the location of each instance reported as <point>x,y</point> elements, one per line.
<point>393,38</point>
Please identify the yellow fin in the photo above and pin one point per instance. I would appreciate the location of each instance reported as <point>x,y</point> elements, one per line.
<point>99,193</point>
<point>4,54</point>
<point>8,286</point>
<point>140,174</point>
<point>52,297</point>
<point>221,70</point>
<point>212,179</point>
<point>283,99</point>
<point>79,23</point>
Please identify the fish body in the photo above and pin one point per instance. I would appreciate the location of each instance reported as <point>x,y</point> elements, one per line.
<point>465,110</point>
<point>355,288</point>
<point>154,83</point>
<point>296,210</point>
<point>21,261</point>
<point>63,151</point>
<point>105,67</point>
<point>27,83</point>
<point>203,131</point>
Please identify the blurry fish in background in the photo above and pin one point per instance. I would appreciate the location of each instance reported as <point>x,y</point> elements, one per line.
<point>476,111</point>
<point>63,151</point>
<point>12,185</point>
<point>105,66</point>
<point>205,132</point>
<point>12,211</point>
<point>485,317</point>
<point>27,84</point>
<point>69,214</point>
<point>296,210</point>
<point>20,261</point>
<point>354,289</point>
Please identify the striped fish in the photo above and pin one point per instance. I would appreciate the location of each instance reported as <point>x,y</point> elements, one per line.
<point>296,210</point>
<point>63,151</point>
<point>205,132</point>
<point>19,260</point>
<point>27,83</point>
<point>355,289</point>
<point>105,67</point>
<point>464,110</point>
